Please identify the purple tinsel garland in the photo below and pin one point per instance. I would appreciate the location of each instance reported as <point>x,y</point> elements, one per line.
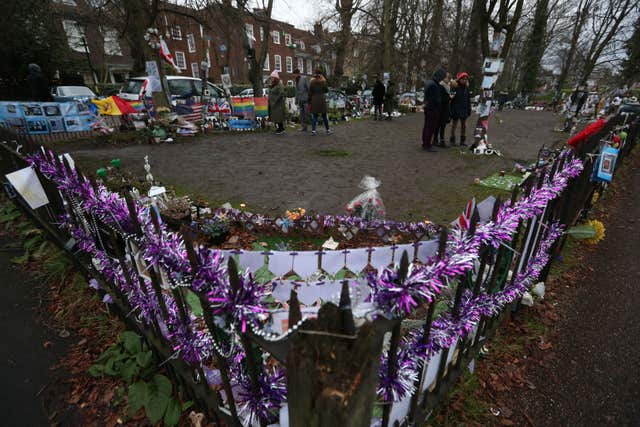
<point>166,250</point>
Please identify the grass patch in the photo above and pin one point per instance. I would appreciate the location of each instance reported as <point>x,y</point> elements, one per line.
<point>462,406</point>
<point>292,243</point>
<point>330,153</point>
<point>567,258</point>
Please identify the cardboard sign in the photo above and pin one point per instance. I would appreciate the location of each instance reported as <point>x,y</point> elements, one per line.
<point>154,76</point>
<point>26,183</point>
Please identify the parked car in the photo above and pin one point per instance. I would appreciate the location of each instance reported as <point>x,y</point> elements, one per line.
<point>179,87</point>
<point>72,93</point>
<point>249,92</point>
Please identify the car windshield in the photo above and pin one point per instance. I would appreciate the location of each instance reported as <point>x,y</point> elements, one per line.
<point>75,91</point>
<point>132,86</point>
<point>182,87</point>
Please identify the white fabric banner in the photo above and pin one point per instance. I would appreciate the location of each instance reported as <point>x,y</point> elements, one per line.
<point>357,259</point>
<point>381,257</point>
<point>332,261</point>
<point>251,260</point>
<point>27,184</point>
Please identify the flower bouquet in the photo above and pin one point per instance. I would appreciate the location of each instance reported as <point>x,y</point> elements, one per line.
<point>367,205</point>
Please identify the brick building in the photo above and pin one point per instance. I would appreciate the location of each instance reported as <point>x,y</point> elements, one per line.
<point>106,57</point>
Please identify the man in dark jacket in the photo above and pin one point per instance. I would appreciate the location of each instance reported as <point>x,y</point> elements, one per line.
<point>432,104</point>
<point>378,98</point>
<point>38,84</point>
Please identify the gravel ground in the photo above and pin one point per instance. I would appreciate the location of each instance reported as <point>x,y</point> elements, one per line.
<point>594,380</point>
<point>273,173</point>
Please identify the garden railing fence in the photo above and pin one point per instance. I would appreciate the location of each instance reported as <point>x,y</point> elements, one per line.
<point>342,363</point>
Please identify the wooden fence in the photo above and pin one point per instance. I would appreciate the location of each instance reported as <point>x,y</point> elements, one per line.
<point>333,361</point>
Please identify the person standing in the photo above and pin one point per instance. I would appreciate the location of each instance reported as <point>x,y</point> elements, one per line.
<point>378,98</point>
<point>389,98</point>
<point>276,102</point>
<point>318,99</point>
<point>445,115</point>
<point>460,108</point>
<point>432,104</point>
<point>302,97</point>
<point>38,84</point>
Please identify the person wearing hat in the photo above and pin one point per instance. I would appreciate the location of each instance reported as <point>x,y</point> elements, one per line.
<point>276,102</point>
<point>460,107</point>
<point>432,105</point>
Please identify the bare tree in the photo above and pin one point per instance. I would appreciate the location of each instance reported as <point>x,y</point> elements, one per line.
<point>345,9</point>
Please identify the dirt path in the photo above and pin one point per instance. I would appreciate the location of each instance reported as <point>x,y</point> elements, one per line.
<point>595,378</point>
<point>24,358</point>
<point>273,173</point>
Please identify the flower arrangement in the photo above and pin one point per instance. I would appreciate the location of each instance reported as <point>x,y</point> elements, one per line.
<point>216,229</point>
<point>598,226</point>
<point>295,214</point>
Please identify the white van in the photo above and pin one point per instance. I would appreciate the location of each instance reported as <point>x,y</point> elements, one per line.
<point>180,87</point>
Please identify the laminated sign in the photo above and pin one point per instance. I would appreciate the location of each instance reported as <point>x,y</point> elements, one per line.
<point>27,184</point>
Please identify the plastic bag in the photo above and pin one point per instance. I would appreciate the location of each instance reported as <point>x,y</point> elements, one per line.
<point>367,205</point>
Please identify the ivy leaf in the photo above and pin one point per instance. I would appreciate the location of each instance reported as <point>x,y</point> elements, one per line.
<point>156,407</point>
<point>172,414</point>
<point>138,396</point>
<point>129,370</point>
<point>163,385</point>
<point>186,405</point>
<point>96,370</point>
<point>131,342</point>
<point>144,358</point>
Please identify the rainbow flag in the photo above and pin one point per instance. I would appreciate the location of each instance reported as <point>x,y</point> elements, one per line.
<point>261,106</point>
<point>242,105</point>
<point>137,105</point>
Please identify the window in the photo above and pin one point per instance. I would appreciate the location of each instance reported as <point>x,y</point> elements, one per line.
<point>266,63</point>
<point>249,30</point>
<point>261,34</point>
<point>289,82</point>
<point>289,64</point>
<point>75,35</point>
<point>277,63</point>
<point>276,37</point>
<point>181,87</point>
<point>195,70</point>
<point>301,44</point>
<point>111,44</point>
<point>301,65</point>
<point>309,66</point>
<point>181,62</point>
<point>176,32</point>
<point>287,39</point>
<point>191,43</point>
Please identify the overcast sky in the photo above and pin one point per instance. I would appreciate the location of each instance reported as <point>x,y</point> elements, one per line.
<point>300,13</point>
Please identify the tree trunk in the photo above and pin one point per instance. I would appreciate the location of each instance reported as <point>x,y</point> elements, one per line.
<point>535,48</point>
<point>581,17</point>
<point>454,63</point>
<point>473,50</point>
<point>345,11</point>
<point>434,40</point>
<point>389,16</point>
